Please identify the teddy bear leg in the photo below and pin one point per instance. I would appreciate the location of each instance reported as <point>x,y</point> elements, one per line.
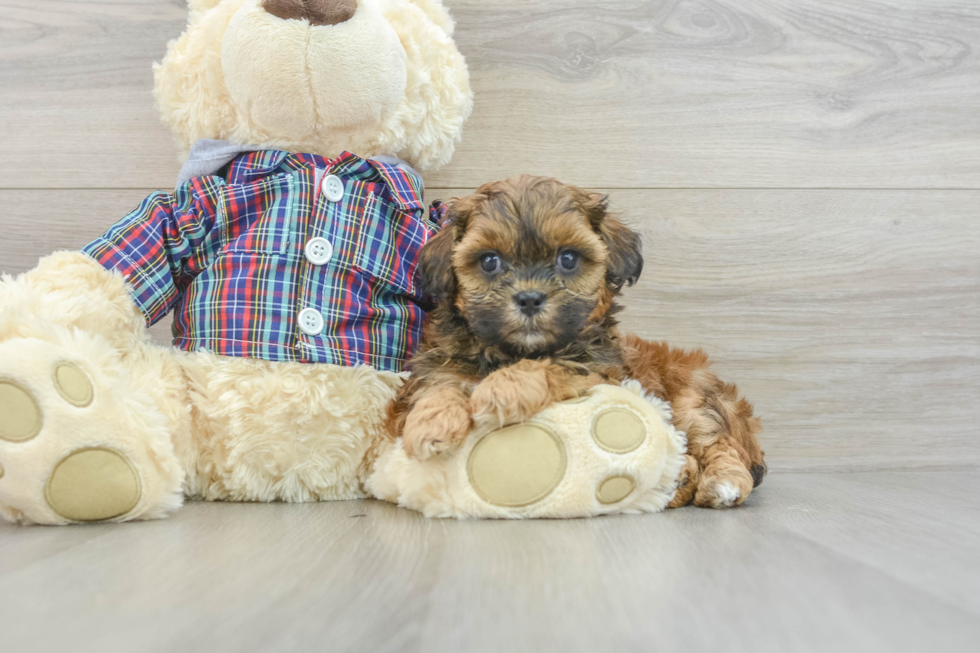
<point>612,450</point>
<point>281,431</point>
<point>79,440</point>
<point>86,426</point>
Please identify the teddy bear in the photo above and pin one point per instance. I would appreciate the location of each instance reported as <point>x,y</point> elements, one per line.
<point>286,256</point>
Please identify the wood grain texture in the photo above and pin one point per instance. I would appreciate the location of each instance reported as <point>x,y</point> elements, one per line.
<point>77,103</point>
<point>850,318</point>
<point>639,93</point>
<point>815,562</point>
<point>723,93</point>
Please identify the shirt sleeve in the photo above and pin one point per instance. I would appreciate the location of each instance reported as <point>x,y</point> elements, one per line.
<point>155,246</point>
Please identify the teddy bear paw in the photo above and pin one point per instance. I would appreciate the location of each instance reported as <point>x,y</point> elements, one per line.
<point>614,450</point>
<point>607,452</point>
<point>63,456</point>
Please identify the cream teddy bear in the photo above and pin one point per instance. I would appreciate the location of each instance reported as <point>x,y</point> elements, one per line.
<point>286,255</point>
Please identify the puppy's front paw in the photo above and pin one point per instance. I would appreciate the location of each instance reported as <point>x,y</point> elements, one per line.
<point>437,423</point>
<point>511,395</point>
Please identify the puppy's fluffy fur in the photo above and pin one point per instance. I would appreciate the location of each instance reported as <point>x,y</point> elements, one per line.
<point>525,275</point>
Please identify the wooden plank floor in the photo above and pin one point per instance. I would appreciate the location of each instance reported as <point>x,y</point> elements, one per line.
<point>879,561</point>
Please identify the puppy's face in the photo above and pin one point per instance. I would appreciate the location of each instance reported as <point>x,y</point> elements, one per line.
<point>530,262</point>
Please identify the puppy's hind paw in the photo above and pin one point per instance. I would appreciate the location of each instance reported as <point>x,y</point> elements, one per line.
<point>723,491</point>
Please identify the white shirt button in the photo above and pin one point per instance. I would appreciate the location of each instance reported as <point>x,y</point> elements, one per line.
<point>333,188</point>
<point>310,321</point>
<point>318,251</point>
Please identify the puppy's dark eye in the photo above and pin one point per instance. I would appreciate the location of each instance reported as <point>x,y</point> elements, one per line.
<point>490,263</point>
<point>568,260</point>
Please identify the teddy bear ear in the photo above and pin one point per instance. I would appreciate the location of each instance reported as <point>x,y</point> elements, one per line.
<point>432,113</point>
<point>438,14</point>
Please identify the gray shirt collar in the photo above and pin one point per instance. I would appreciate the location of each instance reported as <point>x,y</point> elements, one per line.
<point>207,156</point>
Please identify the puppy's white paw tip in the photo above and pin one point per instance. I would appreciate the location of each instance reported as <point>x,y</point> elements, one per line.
<point>726,494</point>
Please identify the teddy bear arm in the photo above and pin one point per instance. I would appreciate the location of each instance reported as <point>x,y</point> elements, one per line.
<point>158,246</point>
<point>93,417</point>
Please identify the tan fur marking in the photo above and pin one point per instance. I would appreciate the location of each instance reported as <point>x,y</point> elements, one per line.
<point>721,429</point>
<point>439,420</point>
<point>517,392</point>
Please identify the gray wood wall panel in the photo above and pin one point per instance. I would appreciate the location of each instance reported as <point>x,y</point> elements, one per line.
<point>631,94</point>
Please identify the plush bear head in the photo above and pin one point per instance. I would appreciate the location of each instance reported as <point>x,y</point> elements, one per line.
<point>373,77</point>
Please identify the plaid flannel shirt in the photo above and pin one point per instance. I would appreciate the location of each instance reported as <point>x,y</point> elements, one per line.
<point>227,254</point>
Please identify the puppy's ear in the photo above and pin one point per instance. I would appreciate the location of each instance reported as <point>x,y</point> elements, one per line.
<point>435,269</point>
<point>625,249</point>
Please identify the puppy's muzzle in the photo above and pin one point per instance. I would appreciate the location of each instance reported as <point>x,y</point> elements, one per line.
<point>530,302</point>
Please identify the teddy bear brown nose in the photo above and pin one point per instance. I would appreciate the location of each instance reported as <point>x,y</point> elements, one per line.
<point>318,12</point>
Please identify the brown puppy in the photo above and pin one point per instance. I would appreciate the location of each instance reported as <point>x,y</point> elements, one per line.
<point>525,274</point>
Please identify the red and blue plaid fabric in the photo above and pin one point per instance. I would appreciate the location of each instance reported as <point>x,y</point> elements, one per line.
<point>226,255</point>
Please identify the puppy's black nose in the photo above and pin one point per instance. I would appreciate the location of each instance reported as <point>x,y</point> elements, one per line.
<point>530,301</point>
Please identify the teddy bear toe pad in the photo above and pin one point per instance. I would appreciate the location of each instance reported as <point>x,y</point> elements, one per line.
<point>517,466</point>
<point>20,416</point>
<point>72,384</point>
<point>614,489</point>
<point>618,430</point>
<point>92,485</point>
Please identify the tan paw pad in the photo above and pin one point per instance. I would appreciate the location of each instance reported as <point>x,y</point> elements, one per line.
<point>20,416</point>
<point>92,485</point>
<point>517,466</point>
<point>73,384</point>
<point>614,489</point>
<point>618,430</point>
